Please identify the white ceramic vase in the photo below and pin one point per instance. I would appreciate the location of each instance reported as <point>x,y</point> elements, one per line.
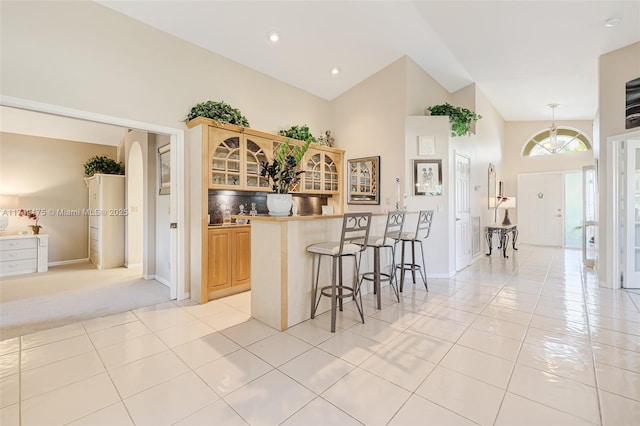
<point>279,204</point>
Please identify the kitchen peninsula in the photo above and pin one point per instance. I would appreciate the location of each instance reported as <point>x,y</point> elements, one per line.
<point>283,271</point>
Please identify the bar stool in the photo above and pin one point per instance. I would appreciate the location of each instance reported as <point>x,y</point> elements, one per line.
<point>354,226</point>
<point>423,227</point>
<point>392,232</point>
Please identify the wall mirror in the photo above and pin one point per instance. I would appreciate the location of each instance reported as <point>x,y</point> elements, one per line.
<point>491,186</point>
<point>364,180</point>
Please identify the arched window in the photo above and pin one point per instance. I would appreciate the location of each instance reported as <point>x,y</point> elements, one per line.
<point>566,140</point>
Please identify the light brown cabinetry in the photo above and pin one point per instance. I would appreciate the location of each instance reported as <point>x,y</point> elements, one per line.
<point>229,260</point>
<point>321,172</point>
<point>234,160</point>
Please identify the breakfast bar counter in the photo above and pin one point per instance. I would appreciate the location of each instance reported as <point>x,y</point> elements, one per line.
<point>282,271</point>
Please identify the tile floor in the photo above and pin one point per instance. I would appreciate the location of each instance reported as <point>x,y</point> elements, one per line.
<point>529,340</point>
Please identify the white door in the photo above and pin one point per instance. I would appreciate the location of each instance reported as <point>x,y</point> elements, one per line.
<point>540,209</point>
<point>632,216</point>
<point>463,233</point>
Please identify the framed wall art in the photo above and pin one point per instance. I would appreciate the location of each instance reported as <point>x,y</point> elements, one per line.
<point>164,169</point>
<point>427,177</point>
<point>364,180</point>
<point>426,145</point>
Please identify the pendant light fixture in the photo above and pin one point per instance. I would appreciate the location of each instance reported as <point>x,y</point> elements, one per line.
<point>552,144</point>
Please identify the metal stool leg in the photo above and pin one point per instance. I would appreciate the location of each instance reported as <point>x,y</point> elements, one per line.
<point>413,261</point>
<point>315,301</point>
<point>423,273</point>
<point>334,301</point>
<point>402,266</point>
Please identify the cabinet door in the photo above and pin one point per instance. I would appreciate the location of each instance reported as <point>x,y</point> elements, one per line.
<point>241,256</point>
<point>224,159</point>
<point>330,173</point>
<point>219,259</point>
<point>313,171</point>
<point>257,150</point>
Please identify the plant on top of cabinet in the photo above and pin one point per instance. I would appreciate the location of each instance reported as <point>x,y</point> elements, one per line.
<point>219,111</point>
<point>460,118</point>
<point>282,171</point>
<point>300,133</point>
<point>102,164</point>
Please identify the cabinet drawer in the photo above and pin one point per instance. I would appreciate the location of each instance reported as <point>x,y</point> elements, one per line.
<point>18,266</point>
<point>18,244</point>
<point>18,254</point>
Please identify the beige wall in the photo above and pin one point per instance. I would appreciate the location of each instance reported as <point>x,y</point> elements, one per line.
<point>96,58</point>
<point>615,69</point>
<point>369,120</point>
<point>48,174</point>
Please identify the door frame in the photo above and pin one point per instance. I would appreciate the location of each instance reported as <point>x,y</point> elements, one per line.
<point>177,287</point>
<point>613,223</point>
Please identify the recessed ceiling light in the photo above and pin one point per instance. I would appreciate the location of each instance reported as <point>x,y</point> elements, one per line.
<point>335,71</point>
<point>273,36</point>
<point>612,22</point>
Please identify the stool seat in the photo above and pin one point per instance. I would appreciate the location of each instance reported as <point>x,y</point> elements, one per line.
<point>377,242</point>
<point>333,248</point>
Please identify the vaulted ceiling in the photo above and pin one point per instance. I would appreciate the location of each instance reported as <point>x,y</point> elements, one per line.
<point>523,55</point>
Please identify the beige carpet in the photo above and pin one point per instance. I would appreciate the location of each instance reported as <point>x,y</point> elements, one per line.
<point>71,293</point>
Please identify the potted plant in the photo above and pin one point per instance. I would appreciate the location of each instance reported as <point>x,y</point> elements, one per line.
<point>460,118</point>
<point>300,133</point>
<point>102,164</point>
<point>281,173</point>
<point>219,111</point>
<point>30,214</point>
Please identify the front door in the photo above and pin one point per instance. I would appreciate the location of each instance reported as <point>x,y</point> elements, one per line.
<point>540,209</point>
<point>463,233</point>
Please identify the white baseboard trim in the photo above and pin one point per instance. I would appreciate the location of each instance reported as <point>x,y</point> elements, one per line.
<point>133,265</point>
<point>161,280</point>
<point>69,262</point>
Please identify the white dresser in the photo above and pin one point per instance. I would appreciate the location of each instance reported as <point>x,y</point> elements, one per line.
<point>107,220</point>
<point>23,254</point>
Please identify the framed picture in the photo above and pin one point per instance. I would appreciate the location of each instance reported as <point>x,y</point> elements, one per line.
<point>632,106</point>
<point>164,169</point>
<point>427,177</point>
<point>364,180</point>
<point>426,145</point>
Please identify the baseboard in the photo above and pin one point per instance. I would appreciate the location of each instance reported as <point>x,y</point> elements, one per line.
<point>161,280</point>
<point>133,265</point>
<point>69,262</point>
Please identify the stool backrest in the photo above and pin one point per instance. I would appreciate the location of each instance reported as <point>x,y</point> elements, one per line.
<point>355,226</point>
<point>424,223</point>
<point>395,223</point>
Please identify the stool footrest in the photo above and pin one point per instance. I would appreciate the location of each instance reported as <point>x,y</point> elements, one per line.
<point>370,276</point>
<point>409,266</point>
<point>346,291</point>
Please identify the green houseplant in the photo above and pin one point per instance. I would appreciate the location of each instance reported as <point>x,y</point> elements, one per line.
<point>300,133</point>
<point>219,111</point>
<point>460,118</point>
<point>281,173</point>
<point>102,164</point>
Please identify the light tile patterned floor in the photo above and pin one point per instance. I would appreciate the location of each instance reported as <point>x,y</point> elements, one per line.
<point>529,340</point>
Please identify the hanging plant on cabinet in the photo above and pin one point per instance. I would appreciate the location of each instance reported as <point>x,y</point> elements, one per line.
<point>460,118</point>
